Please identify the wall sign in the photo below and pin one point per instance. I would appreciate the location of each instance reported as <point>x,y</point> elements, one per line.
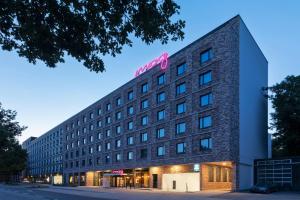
<point>119,172</point>
<point>162,60</point>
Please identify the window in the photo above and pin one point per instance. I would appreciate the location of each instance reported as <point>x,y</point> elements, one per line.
<point>83,163</point>
<point>161,97</point>
<point>144,104</point>
<point>84,119</point>
<point>118,157</point>
<point>107,146</point>
<point>181,69</point>
<point>205,122</point>
<point>180,128</point>
<point>144,153</point>
<point>108,133</point>
<point>84,141</point>
<point>144,137</point>
<point>161,79</point>
<point>144,120</point>
<point>144,88</point>
<point>205,78</point>
<point>160,133</point>
<point>107,159</point>
<point>78,122</point>
<point>130,155</point>
<point>130,95</point>
<point>180,108</point>
<point>161,151</point>
<point>91,138</point>
<point>210,173</point>
<point>180,88</point>
<point>84,130</point>
<point>205,56</point>
<point>118,143</point>
<point>99,123</point>
<point>118,115</point>
<point>118,101</point>
<point>205,144</point>
<point>130,110</point>
<point>108,107</point>
<point>130,125</point>
<point>161,115</point>
<point>98,147</point>
<point>91,127</point>
<point>108,120</point>
<point>130,140</point>
<point>180,147</point>
<point>99,136</point>
<point>82,151</point>
<point>91,115</point>
<point>99,111</point>
<point>206,99</point>
<point>218,173</point>
<point>90,150</point>
<point>118,129</point>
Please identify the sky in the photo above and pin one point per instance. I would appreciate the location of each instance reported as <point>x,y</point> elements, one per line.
<point>45,97</point>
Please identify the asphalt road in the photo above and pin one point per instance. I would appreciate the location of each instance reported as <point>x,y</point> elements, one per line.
<point>23,193</point>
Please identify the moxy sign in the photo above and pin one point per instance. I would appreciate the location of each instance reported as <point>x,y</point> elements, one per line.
<point>119,172</point>
<point>162,60</point>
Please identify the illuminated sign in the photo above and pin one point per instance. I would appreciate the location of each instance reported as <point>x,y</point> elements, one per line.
<point>119,172</point>
<point>162,60</point>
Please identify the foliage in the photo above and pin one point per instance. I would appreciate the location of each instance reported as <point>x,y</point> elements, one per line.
<point>12,156</point>
<point>46,30</point>
<point>285,98</point>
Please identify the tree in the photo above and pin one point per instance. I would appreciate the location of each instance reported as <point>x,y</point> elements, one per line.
<point>285,98</point>
<point>12,157</point>
<point>46,30</point>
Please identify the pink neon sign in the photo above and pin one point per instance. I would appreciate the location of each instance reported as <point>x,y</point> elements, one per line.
<point>162,60</point>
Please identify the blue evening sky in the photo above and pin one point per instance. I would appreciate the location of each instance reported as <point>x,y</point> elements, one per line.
<point>45,97</point>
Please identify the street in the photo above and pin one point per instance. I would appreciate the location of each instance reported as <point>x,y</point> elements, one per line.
<point>27,192</point>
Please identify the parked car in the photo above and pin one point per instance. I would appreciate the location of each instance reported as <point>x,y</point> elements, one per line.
<point>264,188</point>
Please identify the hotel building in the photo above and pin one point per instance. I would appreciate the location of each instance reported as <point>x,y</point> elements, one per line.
<point>195,120</point>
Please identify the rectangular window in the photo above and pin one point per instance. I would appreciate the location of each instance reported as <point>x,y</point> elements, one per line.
<point>144,104</point>
<point>180,128</point>
<point>144,120</point>
<point>206,56</point>
<point>91,115</point>
<point>205,78</point>
<point>161,79</point>
<point>130,95</point>
<point>99,111</point>
<point>130,140</point>
<point>118,101</point>
<point>130,125</point>
<point>144,137</point>
<point>181,69</point>
<point>118,143</point>
<point>130,110</point>
<point>144,88</point>
<point>107,159</point>
<point>180,147</point>
<point>118,115</point>
<point>180,108</point>
<point>108,120</point>
<point>99,123</point>
<point>160,133</point>
<point>211,177</point>
<point>130,155</point>
<point>161,151</point>
<point>118,129</point>
<point>218,174</point>
<point>108,107</point>
<point>161,115</point>
<point>205,122</point>
<point>144,153</point>
<point>118,157</point>
<point>107,146</point>
<point>161,97</point>
<point>205,144</point>
<point>206,99</point>
<point>180,88</point>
